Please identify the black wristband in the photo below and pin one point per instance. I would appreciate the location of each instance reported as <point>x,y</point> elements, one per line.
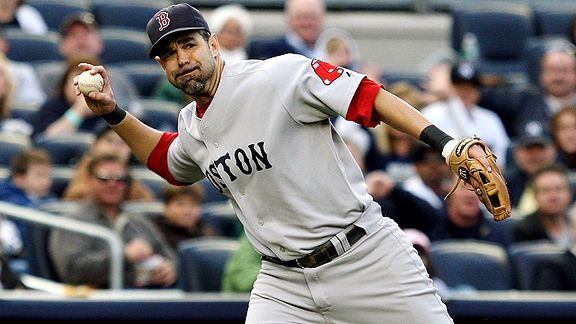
<point>435,137</point>
<point>115,117</point>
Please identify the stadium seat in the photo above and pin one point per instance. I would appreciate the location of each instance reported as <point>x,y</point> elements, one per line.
<point>157,113</point>
<point>115,13</point>
<point>145,76</point>
<point>123,45</point>
<point>32,48</point>
<point>24,112</point>
<point>11,144</point>
<point>525,258</point>
<point>37,252</point>
<point>222,217</point>
<point>501,51</point>
<point>60,207</point>
<point>65,149</point>
<point>61,176</point>
<point>211,193</point>
<point>413,79</point>
<point>202,261</point>
<point>150,180</point>
<point>149,208</point>
<point>123,87</point>
<point>479,264</point>
<point>54,11</point>
<point>553,19</point>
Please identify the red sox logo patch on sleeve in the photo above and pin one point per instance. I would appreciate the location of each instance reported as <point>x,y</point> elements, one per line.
<point>163,20</point>
<point>326,71</point>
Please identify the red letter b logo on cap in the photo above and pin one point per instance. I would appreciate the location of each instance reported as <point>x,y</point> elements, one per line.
<point>163,20</point>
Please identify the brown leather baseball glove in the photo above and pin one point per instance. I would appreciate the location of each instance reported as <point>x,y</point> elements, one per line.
<point>490,187</point>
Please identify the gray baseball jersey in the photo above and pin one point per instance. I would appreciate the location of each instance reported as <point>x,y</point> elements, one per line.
<point>266,142</point>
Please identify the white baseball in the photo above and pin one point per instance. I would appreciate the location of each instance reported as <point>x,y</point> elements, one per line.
<point>88,83</point>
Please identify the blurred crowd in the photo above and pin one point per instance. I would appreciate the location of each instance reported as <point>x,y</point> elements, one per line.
<point>530,126</point>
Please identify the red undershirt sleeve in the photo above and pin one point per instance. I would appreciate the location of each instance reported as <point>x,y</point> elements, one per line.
<point>158,159</point>
<point>361,108</point>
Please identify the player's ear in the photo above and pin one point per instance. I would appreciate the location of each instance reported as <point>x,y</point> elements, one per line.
<point>214,45</point>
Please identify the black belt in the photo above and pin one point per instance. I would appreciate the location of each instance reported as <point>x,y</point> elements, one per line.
<point>323,254</point>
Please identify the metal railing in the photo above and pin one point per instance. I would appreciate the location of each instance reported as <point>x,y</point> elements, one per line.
<point>35,216</point>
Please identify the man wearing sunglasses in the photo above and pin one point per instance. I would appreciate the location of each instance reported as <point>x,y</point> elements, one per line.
<point>83,260</point>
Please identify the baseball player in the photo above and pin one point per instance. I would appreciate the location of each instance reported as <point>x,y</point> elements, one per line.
<point>260,132</point>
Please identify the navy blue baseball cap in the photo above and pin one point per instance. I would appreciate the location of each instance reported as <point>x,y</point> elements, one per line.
<point>172,19</point>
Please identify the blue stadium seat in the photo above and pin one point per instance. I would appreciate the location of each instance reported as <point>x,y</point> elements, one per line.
<point>61,176</point>
<point>150,208</point>
<point>144,75</point>
<point>37,253</point>
<point>414,79</point>
<point>157,113</point>
<point>211,193</point>
<point>24,112</point>
<point>60,207</point>
<point>525,258</point>
<point>202,261</point>
<point>479,264</point>
<point>222,217</point>
<point>150,179</point>
<point>123,45</point>
<point>31,48</point>
<point>10,145</point>
<point>65,149</point>
<point>553,19</point>
<point>502,29</point>
<point>115,13</point>
<point>54,11</point>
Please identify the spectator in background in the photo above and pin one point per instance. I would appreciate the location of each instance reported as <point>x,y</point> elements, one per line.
<point>396,150</point>
<point>433,177</point>
<point>394,146</point>
<point>338,47</point>
<point>7,123</point>
<point>460,116</point>
<point>563,129</point>
<point>242,267</point>
<point>82,260</point>
<point>554,198</point>
<point>533,107</point>
<point>559,273</point>
<point>182,216</point>
<point>464,218</point>
<point>530,151</point>
<point>305,21</point>
<point>27,88</point>
<point>232,24</point>
<point>405,208</point>
<point>107,141</point>
<point>80,36</point>
<point>28,185</point>
<point>12,247</point>
<point>18,14</point>
<point>64,112</point>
